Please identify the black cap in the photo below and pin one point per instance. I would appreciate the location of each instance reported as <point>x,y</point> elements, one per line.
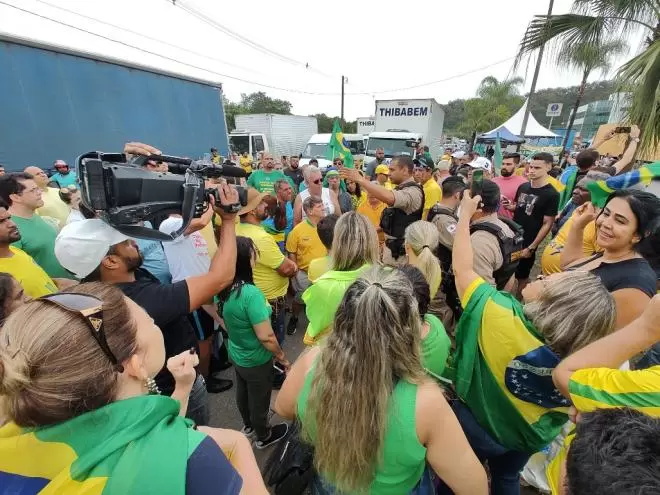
<point>490,195</point>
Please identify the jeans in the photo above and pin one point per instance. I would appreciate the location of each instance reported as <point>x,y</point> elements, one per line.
<point>253,388</point>
<point>505,465</point>
<point>198,403</point>
<point>277,317</point>
<point>424,487</point>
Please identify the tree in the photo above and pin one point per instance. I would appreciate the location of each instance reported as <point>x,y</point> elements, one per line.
<point>587,58</point>
<point>496,102</point>
<point>596,22</point>
<point>258,102</point>
<point>326,122</point>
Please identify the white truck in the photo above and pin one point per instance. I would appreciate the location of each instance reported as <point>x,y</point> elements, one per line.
<point>278,134</point>
<point>366,125</point>
<point>317,147</point>
<point>401,123</point>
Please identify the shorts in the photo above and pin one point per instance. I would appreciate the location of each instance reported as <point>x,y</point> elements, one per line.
<point>525,266</point>
<point>299,283</point>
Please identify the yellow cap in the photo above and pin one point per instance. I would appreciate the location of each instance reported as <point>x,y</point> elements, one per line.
<point>383,169</point>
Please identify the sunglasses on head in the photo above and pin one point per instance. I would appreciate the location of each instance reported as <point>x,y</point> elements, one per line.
<point>90,308</point>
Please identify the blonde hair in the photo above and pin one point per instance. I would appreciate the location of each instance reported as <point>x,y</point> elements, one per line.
<point>375,341</point>
<point>423,238</point>
<point>51,367</point>
<point>355,243</point>
<point>573,310</point>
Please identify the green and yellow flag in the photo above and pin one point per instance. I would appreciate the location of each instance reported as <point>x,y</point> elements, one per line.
<point>600,190</point>
<point>337,146</point>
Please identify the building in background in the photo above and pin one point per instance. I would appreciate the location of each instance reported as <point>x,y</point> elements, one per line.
<point>591,116</point>
<point>620,104</point>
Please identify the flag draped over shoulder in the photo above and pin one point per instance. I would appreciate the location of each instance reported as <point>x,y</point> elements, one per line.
<point>503,371</point>
<point>600,190</point>
<point>337,146</point>
<point>497,157</point>
<point>137,445</point>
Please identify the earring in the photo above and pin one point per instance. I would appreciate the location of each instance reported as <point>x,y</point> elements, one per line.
<point>152,387</point>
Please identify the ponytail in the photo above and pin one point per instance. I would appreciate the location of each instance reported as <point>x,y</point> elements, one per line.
<point>423,239</point>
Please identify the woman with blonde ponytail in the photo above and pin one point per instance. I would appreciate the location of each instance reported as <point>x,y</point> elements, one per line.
<point>421,241</point>
<point>367,407</point>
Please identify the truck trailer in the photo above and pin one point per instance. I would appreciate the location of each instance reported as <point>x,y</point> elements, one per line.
<point>57,103</point>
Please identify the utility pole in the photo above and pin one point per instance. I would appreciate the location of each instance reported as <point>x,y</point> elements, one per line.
<point>534,79</point>
<point>343,80</point>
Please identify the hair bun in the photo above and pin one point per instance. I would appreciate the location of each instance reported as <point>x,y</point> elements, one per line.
<point>14,372</point>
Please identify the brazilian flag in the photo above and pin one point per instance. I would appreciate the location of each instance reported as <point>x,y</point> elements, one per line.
<point>338,147</point>
<point>600,190</point>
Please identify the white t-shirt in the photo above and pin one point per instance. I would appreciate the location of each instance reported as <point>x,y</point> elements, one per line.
<point>187,256</point>
<point>74,216</point>
<point>328,205</point>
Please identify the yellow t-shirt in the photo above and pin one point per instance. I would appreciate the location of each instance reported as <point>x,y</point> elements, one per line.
<point>24,269</point>
<point>432,195</point>
<point>373,214</point>
<point>270,258</point>
<point>318,267</point>
<point>304,242</point>
<point>209,236</point>
<point>605,388</point>
<point>552,252</point>
<point>54,206</point>
<point>246,164</point>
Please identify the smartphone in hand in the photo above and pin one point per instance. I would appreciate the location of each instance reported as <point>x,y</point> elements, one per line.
<point>477,182</point>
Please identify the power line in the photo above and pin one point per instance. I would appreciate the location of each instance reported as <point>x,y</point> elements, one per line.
<point>150,38</point>
<point>246,41</point>
<point>165,56</point>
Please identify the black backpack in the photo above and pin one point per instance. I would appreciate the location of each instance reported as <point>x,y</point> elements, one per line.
<point>511,247</point>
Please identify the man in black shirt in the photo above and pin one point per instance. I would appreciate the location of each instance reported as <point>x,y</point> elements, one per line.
<point>94,251</point>
<point>294,173</point>
<point>534,209</point>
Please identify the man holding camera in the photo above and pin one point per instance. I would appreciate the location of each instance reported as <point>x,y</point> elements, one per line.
<point>94,251</point>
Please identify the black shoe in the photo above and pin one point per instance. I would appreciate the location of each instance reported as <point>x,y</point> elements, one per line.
<point>215,386</point>
<point>277,433</point>
<point>292,326</point>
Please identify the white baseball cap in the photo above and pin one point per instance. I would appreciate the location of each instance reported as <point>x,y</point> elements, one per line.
<point>458,154</point>
<point>481,162</point>
<point>81,246</point>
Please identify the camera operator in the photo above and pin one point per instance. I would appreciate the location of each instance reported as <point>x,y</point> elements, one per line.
<point>94,251</point>
<point>405,204</point>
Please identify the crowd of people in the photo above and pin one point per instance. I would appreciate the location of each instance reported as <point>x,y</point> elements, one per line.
<point>437,361</point>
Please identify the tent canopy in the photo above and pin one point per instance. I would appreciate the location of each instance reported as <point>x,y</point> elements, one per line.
<point>514,125</point>
<point>505,135</point>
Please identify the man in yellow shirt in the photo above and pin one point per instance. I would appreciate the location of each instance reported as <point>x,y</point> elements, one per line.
<point>383,177</point>
<point>246,162</point>
<point>273,270</point>
<point>303,245</point>
<point>373,209</point>
<point>53,206</point>
<point>432,191</point>
<point>18,264</point>
<point>326,231</point>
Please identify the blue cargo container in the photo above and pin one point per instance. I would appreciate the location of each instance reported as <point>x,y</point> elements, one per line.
<point>56,103</point>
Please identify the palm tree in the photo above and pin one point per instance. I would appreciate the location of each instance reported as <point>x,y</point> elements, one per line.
<point>597,22</point>
<point>587,58</point>
<point>496,102</point>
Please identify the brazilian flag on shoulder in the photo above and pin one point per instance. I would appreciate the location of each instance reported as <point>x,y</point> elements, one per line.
<point>338,146</point>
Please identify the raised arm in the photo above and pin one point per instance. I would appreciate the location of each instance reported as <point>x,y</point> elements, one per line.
<point>573,249</point>
<point>629,154</point>
<point>223,265</point>
<point>612,351</point>
<point>462,255</point>
<point>376,190</point>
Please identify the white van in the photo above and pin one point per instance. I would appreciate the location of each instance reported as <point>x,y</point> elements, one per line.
<point>317,147</point>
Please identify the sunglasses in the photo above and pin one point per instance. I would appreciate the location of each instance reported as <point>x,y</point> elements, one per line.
<point>317,181</point>
<point>91,310</point>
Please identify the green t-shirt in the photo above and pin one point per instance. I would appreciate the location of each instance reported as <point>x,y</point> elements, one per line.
<point>38,240</point>
<point>264,182</point>
<point>435,346</point>
<point>241,313</point>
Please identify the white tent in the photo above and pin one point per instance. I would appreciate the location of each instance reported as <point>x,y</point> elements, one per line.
<point>534,129</point>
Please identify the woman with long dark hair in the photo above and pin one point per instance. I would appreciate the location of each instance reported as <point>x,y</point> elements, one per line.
<point>627,229</point>
<point>252,347</point>
<point>12,296</point>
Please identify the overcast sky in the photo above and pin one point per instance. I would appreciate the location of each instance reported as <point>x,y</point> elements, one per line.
<point>377,45</point>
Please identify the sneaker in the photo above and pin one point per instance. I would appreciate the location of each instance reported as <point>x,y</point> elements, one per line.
<point>277,433</point>
<point>249,432</point>
<point>292,326</point>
